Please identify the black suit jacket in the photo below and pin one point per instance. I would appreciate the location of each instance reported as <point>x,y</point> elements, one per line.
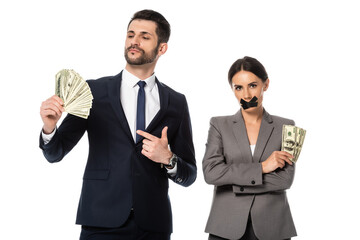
<point>117,176</point>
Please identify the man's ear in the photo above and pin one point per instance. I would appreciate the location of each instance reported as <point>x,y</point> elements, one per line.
<point>162,48</point>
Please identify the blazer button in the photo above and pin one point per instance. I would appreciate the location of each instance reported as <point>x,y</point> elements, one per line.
<point>253,182</point>
<point>241,189</point>
<point>179,180</point>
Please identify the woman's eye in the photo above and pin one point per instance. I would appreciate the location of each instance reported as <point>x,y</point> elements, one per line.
<point>238,88</point>
<point>252,85</point>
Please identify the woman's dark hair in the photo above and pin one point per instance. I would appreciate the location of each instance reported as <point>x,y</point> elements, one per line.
<point>248,64</point>
<point>163,27</point>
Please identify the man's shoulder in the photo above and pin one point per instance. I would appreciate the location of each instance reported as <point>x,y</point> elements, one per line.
<point>173,93</point>
<point>102,80</point>
<point>101,86</point>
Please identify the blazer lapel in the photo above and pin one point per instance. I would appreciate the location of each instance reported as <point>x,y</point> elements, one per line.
<point>114,95</point>
<point>164,103</point>
<point>266,129</point>
<point>241,136</point>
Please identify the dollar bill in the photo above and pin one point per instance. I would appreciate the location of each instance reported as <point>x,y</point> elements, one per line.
<point>74,91</point>
<point>301,133</point>
<point>292,140</point>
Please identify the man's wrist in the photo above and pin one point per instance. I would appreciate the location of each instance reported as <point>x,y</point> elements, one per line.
<point>47,130</point>
<point>171,162</point>
<point>168,157</point>
<point>47,137</point>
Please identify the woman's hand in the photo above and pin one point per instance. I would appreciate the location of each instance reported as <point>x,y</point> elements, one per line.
<point>276,160</point>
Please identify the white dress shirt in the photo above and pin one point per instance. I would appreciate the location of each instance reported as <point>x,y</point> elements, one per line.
<point>252,147</point>
<point>128,98</point>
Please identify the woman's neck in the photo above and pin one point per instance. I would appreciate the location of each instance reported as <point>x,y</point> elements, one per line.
<point>254,116</point>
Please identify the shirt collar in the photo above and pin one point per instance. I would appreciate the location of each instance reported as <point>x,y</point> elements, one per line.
<point>131,80</point>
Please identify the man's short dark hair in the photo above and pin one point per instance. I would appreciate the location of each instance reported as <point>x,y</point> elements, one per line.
<point>163,26</point>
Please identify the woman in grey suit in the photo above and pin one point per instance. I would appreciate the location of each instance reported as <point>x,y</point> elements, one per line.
<point>244,163</point>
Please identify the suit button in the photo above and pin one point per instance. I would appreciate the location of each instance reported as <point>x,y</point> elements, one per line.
<point>241,189</point>
<point>253,182</point>
<point>179,180</point>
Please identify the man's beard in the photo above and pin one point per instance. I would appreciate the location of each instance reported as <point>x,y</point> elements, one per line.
<point>144,58</point>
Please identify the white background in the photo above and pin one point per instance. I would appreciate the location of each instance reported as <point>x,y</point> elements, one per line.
<point>309,48</point>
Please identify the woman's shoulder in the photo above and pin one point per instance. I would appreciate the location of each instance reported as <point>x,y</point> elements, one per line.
<point>222,118</point>
<point>223,121</point>
<point>282,120</point>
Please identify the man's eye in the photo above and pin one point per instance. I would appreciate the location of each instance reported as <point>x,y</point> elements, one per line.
<point>130,36</point>
<point>238,88</point>
<point>253,85</point>
<point>146,38</point>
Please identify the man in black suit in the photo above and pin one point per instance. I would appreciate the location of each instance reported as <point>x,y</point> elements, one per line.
<point>139,134</point>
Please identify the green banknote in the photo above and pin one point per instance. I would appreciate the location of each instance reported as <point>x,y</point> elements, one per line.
<point>292,140</point>
<point>75,93</point>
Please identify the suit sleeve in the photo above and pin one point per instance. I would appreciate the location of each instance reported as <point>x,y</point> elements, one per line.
<point>66,137</point>
<point>182,145</point>
<point>218,172</point>
<point>278,180</point>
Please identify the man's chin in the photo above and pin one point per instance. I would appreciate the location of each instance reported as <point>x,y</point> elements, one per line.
<point>134,63</point>
<point>140,60</point>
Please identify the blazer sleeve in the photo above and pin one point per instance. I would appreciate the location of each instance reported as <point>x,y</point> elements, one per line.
<point>66,137</point>
<point>182,145</point>
<point>218,172</point>
<point>278,180</point>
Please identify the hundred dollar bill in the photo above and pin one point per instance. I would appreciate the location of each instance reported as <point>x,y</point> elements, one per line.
<point>292,140</point>
<point>301,132</point>
<point>288,139</point>
<point>74,91</point>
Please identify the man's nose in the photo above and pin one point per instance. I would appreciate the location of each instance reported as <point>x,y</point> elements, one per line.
<point>135,41</point>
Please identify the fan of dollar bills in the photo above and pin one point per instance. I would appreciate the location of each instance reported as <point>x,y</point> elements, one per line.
<point>292,140</point>
<point>75,93</point>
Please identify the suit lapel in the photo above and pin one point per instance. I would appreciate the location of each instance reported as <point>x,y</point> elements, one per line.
<point>239,130</point>
<point>241,136</point>
<point>114,95</point>
<point>164,103</point>
<point>266,129</point>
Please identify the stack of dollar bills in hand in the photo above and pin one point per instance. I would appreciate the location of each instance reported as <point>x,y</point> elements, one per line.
<point>75,93</point>
<point>292,140</point>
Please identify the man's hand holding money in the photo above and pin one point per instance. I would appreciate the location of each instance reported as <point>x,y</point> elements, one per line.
<point>50,112</point>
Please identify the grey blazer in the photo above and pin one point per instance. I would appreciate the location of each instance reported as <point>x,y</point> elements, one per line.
<point>240,187</point>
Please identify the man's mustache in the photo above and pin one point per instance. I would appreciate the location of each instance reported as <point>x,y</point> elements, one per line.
<point>135,47</point>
